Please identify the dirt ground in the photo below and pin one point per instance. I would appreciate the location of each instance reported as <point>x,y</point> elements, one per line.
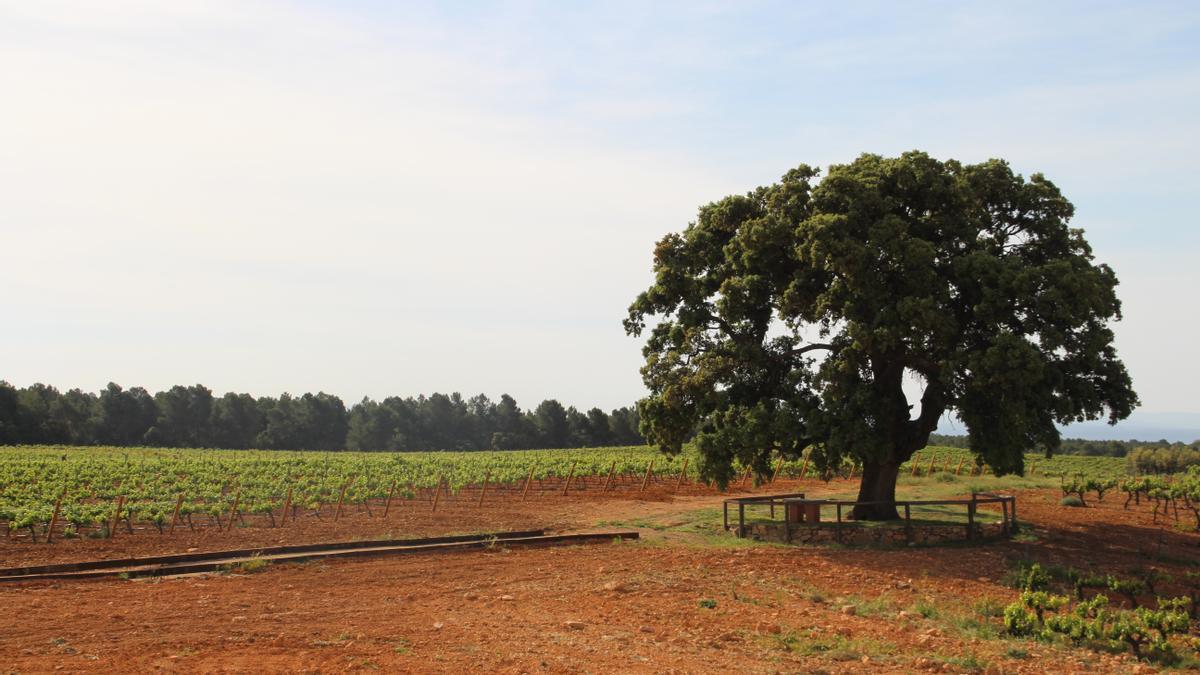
<point>676,601</point>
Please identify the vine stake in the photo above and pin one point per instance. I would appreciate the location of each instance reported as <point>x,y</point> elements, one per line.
<point>387,506</point>
<point>175,514</point>
<point>54,518</point>
<point>437,494</point>
<point>341,498</point>
<point>649,470</point>
<point>287,503</point>
<point>112,530</point>
<point>483,493</point>
<point>570,475</point>
<point>237,501</point>
<point>528,481</point>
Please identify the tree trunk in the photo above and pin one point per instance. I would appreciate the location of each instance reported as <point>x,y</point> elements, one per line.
<point>878,485</point>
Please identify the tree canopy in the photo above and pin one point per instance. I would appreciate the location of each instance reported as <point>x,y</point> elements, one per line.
<point>790,318</point>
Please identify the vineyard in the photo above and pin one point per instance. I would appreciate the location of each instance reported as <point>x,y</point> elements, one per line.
<point>991,601</point>
<point>95,490</point>
<point>61,491</point>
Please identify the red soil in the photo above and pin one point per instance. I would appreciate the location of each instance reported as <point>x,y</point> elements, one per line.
<point>638,605</point>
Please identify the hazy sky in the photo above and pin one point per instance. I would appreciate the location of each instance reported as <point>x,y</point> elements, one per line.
<point>372,199</point>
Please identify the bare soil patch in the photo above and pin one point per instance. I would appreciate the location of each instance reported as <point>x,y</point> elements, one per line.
<point>677,601</point>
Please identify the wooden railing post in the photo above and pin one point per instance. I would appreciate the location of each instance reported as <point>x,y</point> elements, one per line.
<point>287,506</point>
<point>682,474</point>
<point>971,518</point>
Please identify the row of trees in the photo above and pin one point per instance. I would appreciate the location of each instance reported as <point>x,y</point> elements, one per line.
<point>193,417</point>
<point>1077,446</point>
<point>1160,460</point>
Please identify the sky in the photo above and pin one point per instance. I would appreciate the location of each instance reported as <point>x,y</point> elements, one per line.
<point>372,199</point>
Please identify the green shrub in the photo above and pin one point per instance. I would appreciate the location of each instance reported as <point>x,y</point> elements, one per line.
<point>1071,500</point>
<point>1146,632</point>
<point>1019,621</point>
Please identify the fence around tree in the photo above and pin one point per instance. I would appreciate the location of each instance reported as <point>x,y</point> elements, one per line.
<point>982,516</point>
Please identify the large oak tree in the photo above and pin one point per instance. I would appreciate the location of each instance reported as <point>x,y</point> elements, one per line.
<point>791,318</point>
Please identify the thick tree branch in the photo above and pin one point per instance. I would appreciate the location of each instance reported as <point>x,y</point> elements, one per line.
<point>813,347</point>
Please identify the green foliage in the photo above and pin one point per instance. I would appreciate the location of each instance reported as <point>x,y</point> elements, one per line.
<point>1028,576</point>
<point>1146,632</point>
<point>926,609</point>
<point>1163,460</point>
<point>251,566</point>
<point>967,275</point>
<point>1071,500</point>
<point>708,603</point>
<point>1076,446</point>
<point>989,608</point>
<point>92,479</point>
<point>1179,490</point>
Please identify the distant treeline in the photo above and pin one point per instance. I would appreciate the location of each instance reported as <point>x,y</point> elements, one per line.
<point>1078,446</point>
<point>192,417</point>
<point>1173,459</point>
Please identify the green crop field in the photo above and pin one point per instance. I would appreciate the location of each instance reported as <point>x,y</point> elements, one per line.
<point>151,481</point>
<point>88,482</point>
